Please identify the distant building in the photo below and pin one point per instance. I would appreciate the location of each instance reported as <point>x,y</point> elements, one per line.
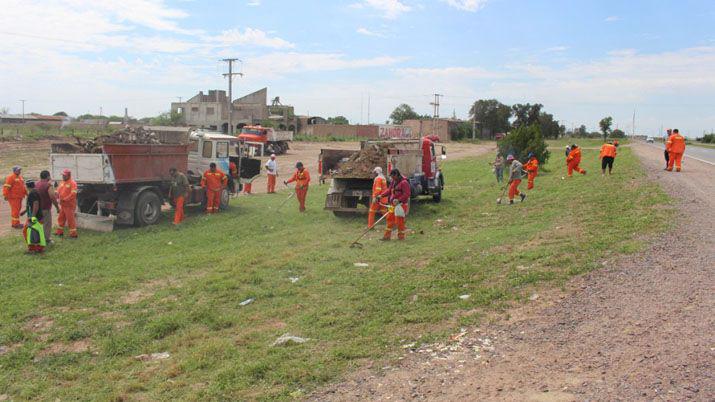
<point>211,111</point>
<point>32,119</point>
<point>445,129</point>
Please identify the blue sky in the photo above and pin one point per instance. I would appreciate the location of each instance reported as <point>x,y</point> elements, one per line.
<point>582,59</point>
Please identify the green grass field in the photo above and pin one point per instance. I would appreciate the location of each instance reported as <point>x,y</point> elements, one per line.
<point>72,320</point>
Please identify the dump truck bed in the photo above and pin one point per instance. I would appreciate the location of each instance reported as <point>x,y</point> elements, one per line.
<point>122,163</point>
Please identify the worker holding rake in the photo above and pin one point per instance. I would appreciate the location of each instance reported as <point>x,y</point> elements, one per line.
<point>398,194</point>
<point>516,173</point>
<point>301,177</point>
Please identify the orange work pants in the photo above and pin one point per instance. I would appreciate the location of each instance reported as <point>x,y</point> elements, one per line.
<point>66,217</point>
<point>530,183</point>
<point>514,188</point>
<point>301,194</point>
<point>247,188</point>
<point>374,208</point>
<point>574,166</point>
<point>398,221</point>
<point>15,207</point>
<point>213,201</point>
<point>271,184</point>
<point>675,159</point>
<point>178,210</point>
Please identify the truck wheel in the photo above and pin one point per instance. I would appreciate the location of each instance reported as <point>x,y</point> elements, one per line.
<point>437,197</point>
<point>225,198</point>
<point>148,209</point>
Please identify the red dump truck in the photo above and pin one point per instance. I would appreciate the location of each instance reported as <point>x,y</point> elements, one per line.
<point>128,184</point>
<point>417,160</point>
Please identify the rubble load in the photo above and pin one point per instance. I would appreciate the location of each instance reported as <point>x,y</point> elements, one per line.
<point>127,135</point>
<point>361,164</point>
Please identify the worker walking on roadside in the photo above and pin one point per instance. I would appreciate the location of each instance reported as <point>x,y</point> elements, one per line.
<point>178,192</point>
<point>532,170</point>
<point>498,165</point>
<point>607,156</point>
<point>213,181</point>
<point>67,194</point>
<point>676,148</point>
<point>379,185</point>
<point>272,169</point>
<point>14,191</point>
<point>301,177</point>
<point>398,196</point>
<point>573,160</point>
<point>32,232</point>
<point>516,173</point>
<point>666,154</point>
<point>48,198</point>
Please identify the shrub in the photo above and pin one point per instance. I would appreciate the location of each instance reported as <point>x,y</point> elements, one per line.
<point>522,140</point>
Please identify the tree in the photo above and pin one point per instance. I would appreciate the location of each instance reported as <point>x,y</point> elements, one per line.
<point>4,110</point>
<point>618,133</point>
<point>605,125</point>
<point>63,114</point>
<point>172,118</point>
<point>522,140</point>
<point>526,114</point>
<point>491,115</point>
<point>402,113</point>
<point>549,127</point>
<point>581,131</point>
<point>338,120</point>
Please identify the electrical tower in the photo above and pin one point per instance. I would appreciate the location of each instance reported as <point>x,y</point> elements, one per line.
<point>230,75</point>
<point>435,115</point>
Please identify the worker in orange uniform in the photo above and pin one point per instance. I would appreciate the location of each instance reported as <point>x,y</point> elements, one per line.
<point>676,148</point>
<point>14,191</point>
<point>398,196</point>
<point>573,160</point>
<point>532,170</point>
<point>232,177</point>
<point>67,197</point>
<point>379,185</point>
<point>301,177</point>
<point>272,169</point>
<point>607,156</point>
<point>213,181</point>
<point>178,191</point>
<point>516,174</point>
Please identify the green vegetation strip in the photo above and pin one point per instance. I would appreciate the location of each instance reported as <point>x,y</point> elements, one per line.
<point>73,321</point>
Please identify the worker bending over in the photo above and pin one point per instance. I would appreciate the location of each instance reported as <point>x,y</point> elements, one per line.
<point>14,191</point>
<point>398,196</point>
<point>178,191</point>
<point>532,170</point>
<point>516,173</point>
<point>607,156</point>
<point>67,195</point>
<point>573,160</point>
<point>676,148</point>
<point>301,177</point>
<point>214,181</point>
<point>272,169</point>
<point>379,185</point>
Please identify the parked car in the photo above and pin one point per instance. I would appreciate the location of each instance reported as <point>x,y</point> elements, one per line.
<point>650,139</point>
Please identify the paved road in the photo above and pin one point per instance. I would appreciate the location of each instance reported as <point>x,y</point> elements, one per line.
<point>705,155</point>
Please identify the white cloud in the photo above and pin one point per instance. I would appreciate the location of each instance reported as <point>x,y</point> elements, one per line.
<point>367,32</point>
<point>612,18</point>
<point>466,5</point>
<point>390,9</point>
<point>557,49</point>
<point>285,64</point>
<point>251,36</point>
<point>254,3</point>
<point>456,73</point>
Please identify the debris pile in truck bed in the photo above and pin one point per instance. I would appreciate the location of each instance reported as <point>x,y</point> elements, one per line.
<point>127,135</point>
<point>360,165</point>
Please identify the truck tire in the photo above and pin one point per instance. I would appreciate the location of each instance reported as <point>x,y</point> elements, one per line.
<point>437,197</point>
<point>225,199</point>
<point>148,209</point>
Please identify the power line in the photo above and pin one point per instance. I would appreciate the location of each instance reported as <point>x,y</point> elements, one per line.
<point>230,75</point>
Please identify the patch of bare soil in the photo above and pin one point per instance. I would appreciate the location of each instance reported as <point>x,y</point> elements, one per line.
<point>642,328</point>
<point>56,348</point>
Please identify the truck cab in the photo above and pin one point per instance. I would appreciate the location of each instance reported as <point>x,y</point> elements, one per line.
<point>206,147</point>
<point>265,140</point>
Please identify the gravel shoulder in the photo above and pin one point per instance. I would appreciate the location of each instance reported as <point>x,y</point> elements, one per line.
<point>641,328</point>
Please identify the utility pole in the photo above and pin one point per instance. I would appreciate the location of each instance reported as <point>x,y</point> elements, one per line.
<point>100,111</point>
<point>230,75</point>
<point>435,115</point>
<point>23,109</point>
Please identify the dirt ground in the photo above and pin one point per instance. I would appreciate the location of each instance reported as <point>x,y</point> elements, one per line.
<point>641,328</point>
<point>34,157</point>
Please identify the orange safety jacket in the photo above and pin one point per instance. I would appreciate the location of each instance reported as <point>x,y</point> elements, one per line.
<point>532,166</point>
<point>607,150</point>
<point>574,156</point>
<point>14,187</point>
<point>378,186</point>
<point>67,192</point>
<point>233,169</point>
<point>300,177</point>
<point>214,181</point>
<point>675,144</point>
